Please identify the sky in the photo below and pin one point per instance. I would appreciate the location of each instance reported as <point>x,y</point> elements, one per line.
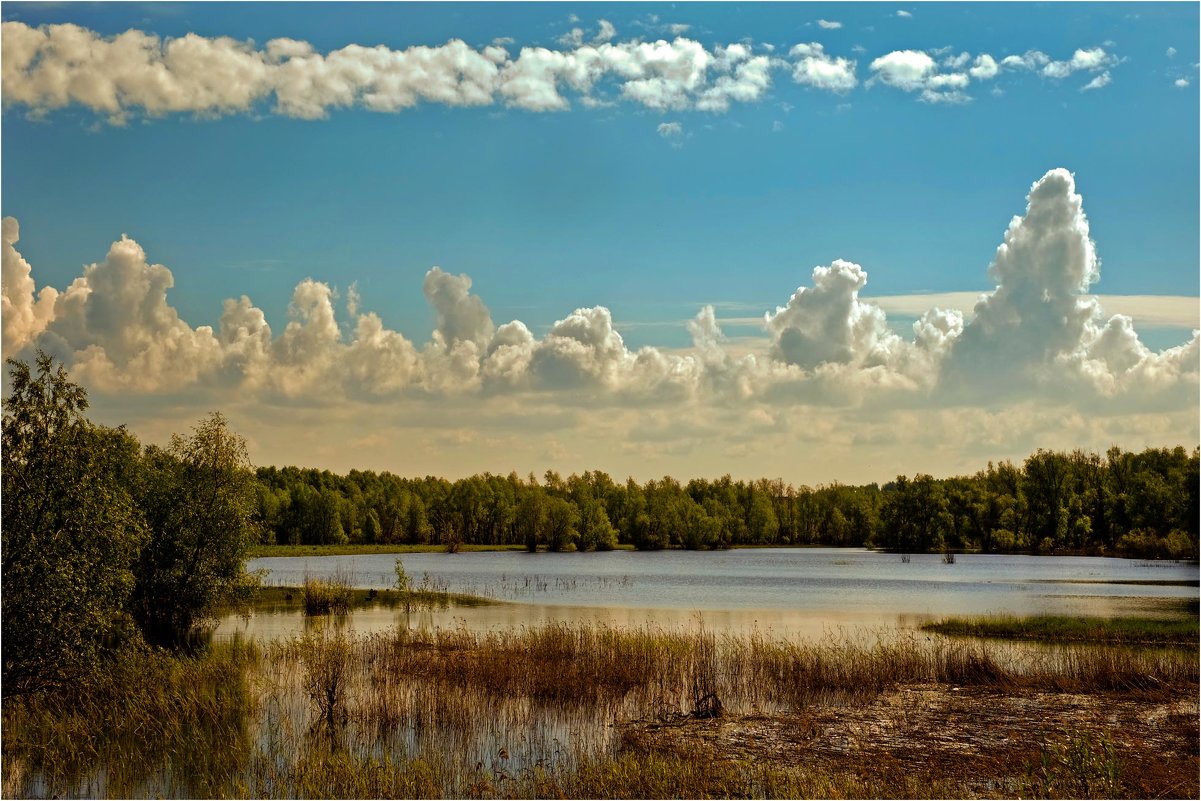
<point>821,242</point>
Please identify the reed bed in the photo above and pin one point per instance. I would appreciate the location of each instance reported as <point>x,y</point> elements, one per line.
<point>547,711</point>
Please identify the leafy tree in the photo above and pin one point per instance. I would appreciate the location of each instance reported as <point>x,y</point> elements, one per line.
<point>371,527</point>
<point>531,517</point>
<point>561,519</point>
<point>198,498</point>
<point>596,532</point>
<point>70,531</point>
<point>914,515</point>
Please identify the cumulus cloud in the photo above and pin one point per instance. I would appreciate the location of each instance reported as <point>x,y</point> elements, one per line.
<point>1037,334</point>
<point>814,67</point>
<point>828,323</point>
<point>52,66</point>
<point>1091,60</point>
<point>904,14</point>
<point>917,71</point>
<point>605,32</point>
<point>1038,329</point>
<point>830,25</point>
<point>985,68</point>
<point>462,317</point>
<point>23,311</point>
<point>904,69</point>
<point>123,333</point>
<point>1100,82</point>
<point>141,74</point>
<point>1181,83</point>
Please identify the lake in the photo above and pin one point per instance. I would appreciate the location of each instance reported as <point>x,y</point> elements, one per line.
<point>786,591</point>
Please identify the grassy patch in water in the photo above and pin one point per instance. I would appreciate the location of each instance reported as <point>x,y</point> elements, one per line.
<point>1055,628</point>
<point>275,598</point>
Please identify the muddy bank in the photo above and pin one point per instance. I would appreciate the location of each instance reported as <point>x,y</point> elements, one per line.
<point>985,743</point>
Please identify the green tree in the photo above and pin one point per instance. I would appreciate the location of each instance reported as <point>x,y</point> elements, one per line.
<point>70,530</point>
<point>531,517</point>
<point>914,516</point>
<point>198,499</point>
<point>371,528</point>
<point>596,532</point>
<point>561,519</point>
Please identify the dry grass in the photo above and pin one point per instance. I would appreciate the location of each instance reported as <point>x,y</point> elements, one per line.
<point>594,711</point>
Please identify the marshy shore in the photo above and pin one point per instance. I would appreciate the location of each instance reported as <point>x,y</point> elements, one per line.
<point>594,711</point>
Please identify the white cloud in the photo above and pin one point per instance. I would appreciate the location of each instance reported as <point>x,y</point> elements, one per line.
<point>1091,60</point>
<point>904,14</point>
<point>605,32</point>
<point>23,311</point>
<point>830,25</point>
<point>670,130</point>
<point>1037,336</point>
<point>140,74</point>
<point>1181,83</point>
<point>1030,60</point>
<point>1170,52</point>
<point>828,323</point>
<point>1099,82</point>
<point>985,68</point>
<point>573,38</point>
<point>957,62</point>
<point>462,317</point>
<point>1038,329</point>
<point>777,126</point>
<point>53,66</point>
<point>122,332</point>
<point>904,69</point>
<point>814,67</point>
<point>917,71</point>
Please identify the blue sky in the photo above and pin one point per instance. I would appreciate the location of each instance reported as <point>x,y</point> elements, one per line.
<point>649,209</point>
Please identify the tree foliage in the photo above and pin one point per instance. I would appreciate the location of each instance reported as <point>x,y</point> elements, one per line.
<point>99,535</point>
<point>198,498</point>
<point>71,531</point>
<point>1134,504</point>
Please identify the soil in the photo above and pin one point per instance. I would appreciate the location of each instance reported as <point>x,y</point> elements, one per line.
<point>987,742</point>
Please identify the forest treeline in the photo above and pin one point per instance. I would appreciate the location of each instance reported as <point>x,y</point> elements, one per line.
<point>1123,503</point>
<point>111,544</point>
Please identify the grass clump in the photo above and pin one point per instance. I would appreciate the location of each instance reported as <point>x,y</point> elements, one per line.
<point>321,596</point>
<point>1081,765</point>
<point>1178,631</point>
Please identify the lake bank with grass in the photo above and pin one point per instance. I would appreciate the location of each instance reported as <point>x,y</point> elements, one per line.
<point>635,712</point>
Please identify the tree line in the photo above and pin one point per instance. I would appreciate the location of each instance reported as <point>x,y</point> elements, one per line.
<point>109,544</point>
<point>1123,503</point>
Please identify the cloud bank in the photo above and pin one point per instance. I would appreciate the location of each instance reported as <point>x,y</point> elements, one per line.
<point>139,73</point>
<point>1038,333</point>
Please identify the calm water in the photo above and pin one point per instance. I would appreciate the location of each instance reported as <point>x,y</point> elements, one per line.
<point>785,590</point>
